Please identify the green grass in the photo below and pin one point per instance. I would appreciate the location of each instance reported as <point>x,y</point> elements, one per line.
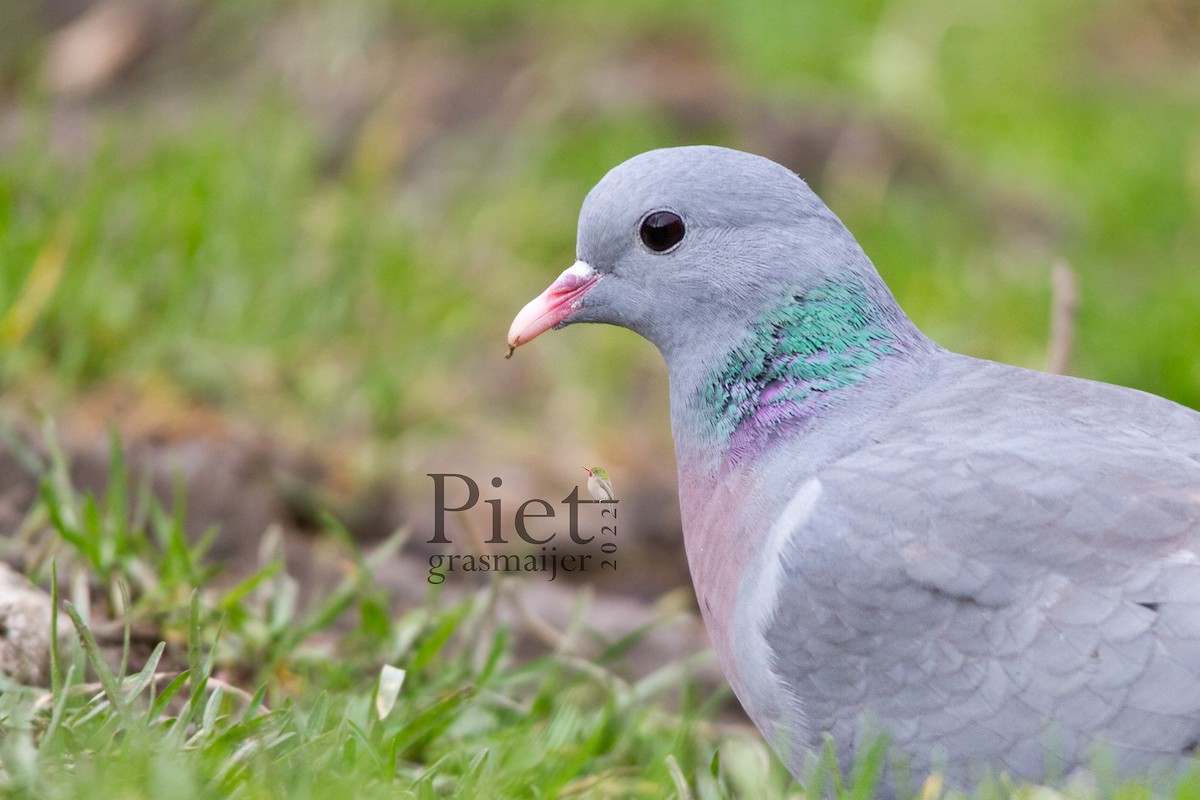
<point>253,692</point>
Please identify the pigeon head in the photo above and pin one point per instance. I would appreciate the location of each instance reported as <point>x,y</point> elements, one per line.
<point>755,293</point>
<point>675,242</point>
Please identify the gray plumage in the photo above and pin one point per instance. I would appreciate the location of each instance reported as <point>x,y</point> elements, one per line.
<point>990,563</point>
<point>996,578</point>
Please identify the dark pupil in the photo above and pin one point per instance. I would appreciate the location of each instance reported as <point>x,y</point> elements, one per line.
<point>662,230</point>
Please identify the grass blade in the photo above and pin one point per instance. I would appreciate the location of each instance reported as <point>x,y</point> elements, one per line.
<point>96,658</point>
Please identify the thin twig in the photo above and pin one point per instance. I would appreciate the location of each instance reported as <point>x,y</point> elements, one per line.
<point>1064,302</point>
<point>542,630</point>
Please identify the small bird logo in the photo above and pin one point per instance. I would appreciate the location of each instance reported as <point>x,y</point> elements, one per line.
<point>600,485</point>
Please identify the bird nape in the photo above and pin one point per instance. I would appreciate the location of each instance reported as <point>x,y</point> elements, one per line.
<point>999,568</point>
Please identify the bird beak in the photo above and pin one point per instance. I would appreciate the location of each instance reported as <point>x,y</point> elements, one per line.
<point>552,306</point>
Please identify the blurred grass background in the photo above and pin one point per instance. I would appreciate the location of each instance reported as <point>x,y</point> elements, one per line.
<point>322,215</point>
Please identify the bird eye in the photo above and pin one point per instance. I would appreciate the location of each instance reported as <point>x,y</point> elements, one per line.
<point>662,230</point>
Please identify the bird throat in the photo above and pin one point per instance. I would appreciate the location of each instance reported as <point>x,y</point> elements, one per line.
<point>795,361</point>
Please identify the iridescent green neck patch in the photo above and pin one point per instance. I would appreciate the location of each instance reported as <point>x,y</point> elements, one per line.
<point>793,362</point>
